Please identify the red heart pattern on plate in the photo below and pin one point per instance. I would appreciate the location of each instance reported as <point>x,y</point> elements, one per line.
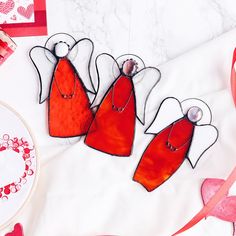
<point>17,231</point>
<point>6,7</point>
<point>26,12</point>
<point>20,146</point>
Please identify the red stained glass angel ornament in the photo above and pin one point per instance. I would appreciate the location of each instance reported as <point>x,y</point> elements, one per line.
<point>182,130</point>
<point>124,86</point>
<point>63,66</point>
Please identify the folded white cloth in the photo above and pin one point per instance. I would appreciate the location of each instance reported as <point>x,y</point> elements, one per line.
<point>83,192</point>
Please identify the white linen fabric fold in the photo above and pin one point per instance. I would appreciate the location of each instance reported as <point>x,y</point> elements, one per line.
<point>83,192</point>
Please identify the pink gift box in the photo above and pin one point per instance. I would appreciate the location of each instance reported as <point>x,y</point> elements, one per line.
<point>7,46</point>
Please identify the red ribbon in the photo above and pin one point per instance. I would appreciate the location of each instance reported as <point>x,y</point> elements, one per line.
<point>212,202</point>
<point>233,78</point>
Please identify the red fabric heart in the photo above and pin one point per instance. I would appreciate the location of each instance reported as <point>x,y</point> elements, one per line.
<point>26,12</point>
<point>6,7</point>
<point>17,231</point>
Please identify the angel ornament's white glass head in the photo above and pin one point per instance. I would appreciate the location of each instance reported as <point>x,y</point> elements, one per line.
<point>130,67</point>
<point>194,114</point>
<point>61,49</point>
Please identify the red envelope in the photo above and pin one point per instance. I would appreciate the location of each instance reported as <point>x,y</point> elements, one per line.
<point>38,27</point>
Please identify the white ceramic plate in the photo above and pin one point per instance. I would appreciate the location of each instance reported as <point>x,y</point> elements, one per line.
<point>18,164</point>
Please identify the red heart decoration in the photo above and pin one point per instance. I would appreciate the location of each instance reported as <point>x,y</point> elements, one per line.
<point>17,231</point>
<point>26,12</point>
<point>226,208</point>
<point>6,7</point>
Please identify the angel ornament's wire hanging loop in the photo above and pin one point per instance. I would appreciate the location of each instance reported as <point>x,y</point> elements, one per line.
<point>64,95</point>
<point>194,115</point>
<point>61,50</point>
<point>129,69</point>
<point>182,130</point>
<point>124,85</point>
<point>63,66</point>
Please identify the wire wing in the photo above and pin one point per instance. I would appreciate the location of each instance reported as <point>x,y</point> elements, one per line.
<point>204,137</point>
<point>108,71</point>
<point>45,63</point>
<point>169,111</point>
<point>80,56</point>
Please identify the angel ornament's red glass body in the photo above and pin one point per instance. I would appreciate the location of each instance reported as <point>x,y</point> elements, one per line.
<point>165,154</point>
<point>112,130</point>
<point>169,148</point>
<point>69,107</point>
<point>69,112</point>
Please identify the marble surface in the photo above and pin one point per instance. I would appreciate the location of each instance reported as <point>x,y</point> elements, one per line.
<point>157,30</point>
<point>186,39</point>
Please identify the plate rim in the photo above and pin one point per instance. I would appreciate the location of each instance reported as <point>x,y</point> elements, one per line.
<point>37,170</point>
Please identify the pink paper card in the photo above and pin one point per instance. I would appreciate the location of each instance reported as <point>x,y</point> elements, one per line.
<point>23,17</point>
<point>16,11</point>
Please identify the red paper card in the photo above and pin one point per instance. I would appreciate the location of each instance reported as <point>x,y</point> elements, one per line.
<point>38,27</point>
